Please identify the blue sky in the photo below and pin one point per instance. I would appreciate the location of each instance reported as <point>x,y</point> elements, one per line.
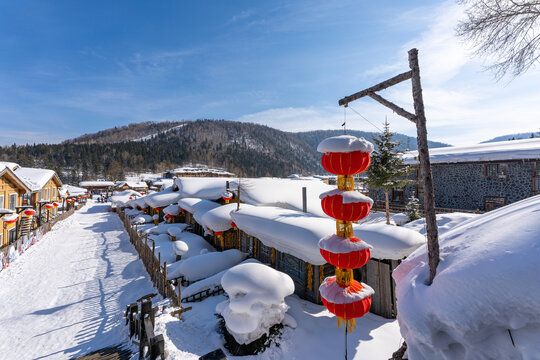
<point>74,67</point>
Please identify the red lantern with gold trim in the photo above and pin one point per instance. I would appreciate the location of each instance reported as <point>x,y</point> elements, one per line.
<point>345,253</point>
<point>10,219</point>
<point>349,163</point>
<point>29,212</point>
<point>233,224</point>
<point>49,206</point>
<point>349,302</point>
<point>334,207</point>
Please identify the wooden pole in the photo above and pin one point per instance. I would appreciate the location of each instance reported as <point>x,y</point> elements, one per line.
<point>419,118</point>
<point>425,166</point>
<point>304,199</point>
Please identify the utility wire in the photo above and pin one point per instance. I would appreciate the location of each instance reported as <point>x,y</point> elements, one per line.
<point>363,117</point>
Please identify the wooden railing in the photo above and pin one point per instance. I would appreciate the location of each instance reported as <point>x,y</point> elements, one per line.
<point>395,208</point>
<point>158,274</point>
<point>142,323</point>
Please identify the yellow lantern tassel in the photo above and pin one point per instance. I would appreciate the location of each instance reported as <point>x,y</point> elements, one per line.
<point>349,323</point>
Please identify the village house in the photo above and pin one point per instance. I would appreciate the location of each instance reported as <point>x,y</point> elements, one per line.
<point>97,187</point>
<point>478,177</point>
<point>196,172</point>
<point>139,186</point>
<point>12,191</point>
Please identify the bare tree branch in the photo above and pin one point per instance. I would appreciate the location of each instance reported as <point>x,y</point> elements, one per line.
<point>507,32</point>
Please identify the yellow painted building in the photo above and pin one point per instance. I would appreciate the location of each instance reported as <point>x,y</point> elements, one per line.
<point>12,191</point>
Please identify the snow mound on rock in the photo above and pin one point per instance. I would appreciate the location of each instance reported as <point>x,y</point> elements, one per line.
<point>486,289</point>
<point>256,300</point>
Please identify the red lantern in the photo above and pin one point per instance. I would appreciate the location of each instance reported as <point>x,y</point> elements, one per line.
<point>334,207</point>
<point>55,204</point>
<point>29,212</point>
<point>346,253</point>
<point>227,195</point>
<point>78,198</point>
<point>346,163</point>
<point>49,206</point>
<point>233,224</point>
<point>182,211</point>
<point>131,197</point>
<point>347,303</point>
<point>157,209</point>
<point>218,233</point>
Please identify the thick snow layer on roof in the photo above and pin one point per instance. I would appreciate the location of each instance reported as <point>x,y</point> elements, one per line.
<point>6,164</point>
<point>284,193</point>
<point>172,209</point>
<point>142,219</point>
<point>120,199</point>
<point>34,178</point>
<point>163,183</point>
<point>209,188</point>
<point>163,228</point>
<point>292,232</point>
<point>163,198</point>
<point>73,190</point>
<point>164,246</point>
<point>193,205</point>
<point>445,222</point>
<point>388,241</point>
<point>486,289</point>
<point>140,202</point>
<point>344,144</point>
<point>96,183</point>
<point>205,265</point>
<point>219,218</point>
<point>495,151</point>
<point>133,184</point>
<point>196,244</point>
<point>256,300</point>
<point>210,282</point>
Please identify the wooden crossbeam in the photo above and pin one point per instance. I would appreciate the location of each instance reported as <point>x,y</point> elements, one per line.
<point>380,86</point>
<point>397,109</point>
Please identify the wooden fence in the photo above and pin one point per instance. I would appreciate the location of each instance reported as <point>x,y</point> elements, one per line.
<point>141,322</point>
<point>158,274</point>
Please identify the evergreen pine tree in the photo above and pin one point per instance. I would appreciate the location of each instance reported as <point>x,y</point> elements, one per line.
<point>387,170</point>
<point>413,209</point>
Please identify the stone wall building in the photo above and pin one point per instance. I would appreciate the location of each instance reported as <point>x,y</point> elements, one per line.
<point>479,177</point>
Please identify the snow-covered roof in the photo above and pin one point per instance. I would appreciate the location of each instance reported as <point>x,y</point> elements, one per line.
<point>292,232</point>
<point>445,222</point>
<point>284,193</point>
<point>193,205</point>
<point>11,165</point>
<point>486,289</point>
<point>388,241</point>
<point>96,183</point>
<point>219,218</point>
<point>73,190</point>
<point>495,151</point>
<point>35,178</point>
<point>209,188</point>
<point>132,184</point>
<point>198,170</point>
<point>162,198</point>
<point>122,198</point>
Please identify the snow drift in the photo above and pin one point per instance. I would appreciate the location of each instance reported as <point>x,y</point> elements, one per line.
<point>486,289</point>
<point>256,300</point>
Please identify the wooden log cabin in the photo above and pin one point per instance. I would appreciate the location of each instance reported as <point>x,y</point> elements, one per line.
<point>12,191</point>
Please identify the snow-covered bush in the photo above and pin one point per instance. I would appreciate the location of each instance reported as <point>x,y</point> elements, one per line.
<point>484,302</point>
<point>413,209</point>
<point>256,300</point>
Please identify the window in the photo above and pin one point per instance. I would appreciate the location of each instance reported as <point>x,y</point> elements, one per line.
<point>1,239</point>
<point>1,201</point>
<point>54,193</point>
<point>40,195</point>
<point>12,235</point>
<point>495,170</point>
<point>493,202</point>
<point>398,195</point>
<point>12,201</point>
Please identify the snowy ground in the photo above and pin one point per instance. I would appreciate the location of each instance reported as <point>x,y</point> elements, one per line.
<point>65,296</point>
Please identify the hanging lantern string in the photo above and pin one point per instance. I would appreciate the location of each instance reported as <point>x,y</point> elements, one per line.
<point>344,120</point>
<point>345,341</point>
<point>363,117</point>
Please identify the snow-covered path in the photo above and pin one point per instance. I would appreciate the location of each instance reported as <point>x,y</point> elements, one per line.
<point>64,297</point>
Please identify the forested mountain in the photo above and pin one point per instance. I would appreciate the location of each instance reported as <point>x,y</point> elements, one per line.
<point>313,138</point>
<point>517,136</point>
<point>245,149</point>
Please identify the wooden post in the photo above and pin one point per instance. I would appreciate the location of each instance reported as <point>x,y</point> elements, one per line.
<point>419,118</point>
<point>425,166</point>
<point>238,198</point>
<point>304,199</point>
